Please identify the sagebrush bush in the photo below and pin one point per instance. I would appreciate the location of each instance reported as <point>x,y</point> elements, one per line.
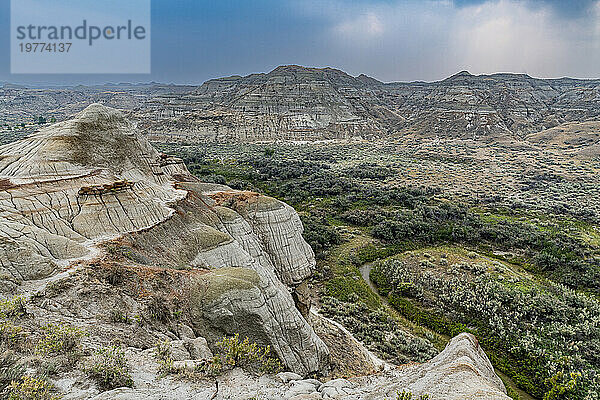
<point>542,334</point>
<point>109,369</point>
<point>378,331</point>
<point>29,388</point>
<point>59,339</point>
<point>244,353</point>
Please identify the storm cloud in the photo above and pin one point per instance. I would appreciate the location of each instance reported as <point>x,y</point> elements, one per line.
<point>391,40</point>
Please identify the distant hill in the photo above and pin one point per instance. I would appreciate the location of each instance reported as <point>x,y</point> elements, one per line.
<point>299,103</point>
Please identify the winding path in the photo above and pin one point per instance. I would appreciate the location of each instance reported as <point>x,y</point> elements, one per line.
<point>365,272</point>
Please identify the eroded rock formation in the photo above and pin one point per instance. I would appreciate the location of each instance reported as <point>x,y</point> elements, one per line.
<point>461,371</point>
<point>92,179</point>
<point>307,104</point>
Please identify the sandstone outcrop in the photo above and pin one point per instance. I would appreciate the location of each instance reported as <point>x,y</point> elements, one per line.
<point>92,179</point>
<point>461,371</point>
<point>293,103</point>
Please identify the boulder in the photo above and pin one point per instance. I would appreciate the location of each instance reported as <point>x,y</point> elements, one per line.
<point>461,371</point>
<point>198,348</point>
<point>286,377</point>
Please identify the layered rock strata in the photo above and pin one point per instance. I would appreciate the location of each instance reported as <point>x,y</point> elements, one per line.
<point>74,185</point>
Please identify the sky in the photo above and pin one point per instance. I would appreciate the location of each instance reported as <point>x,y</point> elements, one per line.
<point>390,40</point>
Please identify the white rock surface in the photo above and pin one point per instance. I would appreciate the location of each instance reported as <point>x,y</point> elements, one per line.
<point>46,220</point>
<point>286,377</point>
<point>78,183</point>
<point>462,371</point>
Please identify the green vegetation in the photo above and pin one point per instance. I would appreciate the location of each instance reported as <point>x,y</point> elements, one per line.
<point>28,388</point>
<point>409,396</point>
<point>10,370</point>
<point>231,352</point>
<point>11,336</point>
<point>12,136</point>
<point>526,284</point>
<point>59,339</point>
<point>378,331</point>
<point>109,368</point>
<point>401,217</point>
<point>346,281</point>
<point>543,335</point>
<point>243,353</point>
<point>13,308</point>
<point>162,353</point>
<point>29,353</point>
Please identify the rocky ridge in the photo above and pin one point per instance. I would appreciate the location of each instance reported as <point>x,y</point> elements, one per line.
<point>62,197</point>
<point>461,371</point>
<point>294,103</point>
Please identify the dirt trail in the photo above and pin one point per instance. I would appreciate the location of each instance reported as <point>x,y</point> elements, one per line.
<point>365,271</point>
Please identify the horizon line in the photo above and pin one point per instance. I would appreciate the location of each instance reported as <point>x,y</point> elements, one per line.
<point>200,83</point>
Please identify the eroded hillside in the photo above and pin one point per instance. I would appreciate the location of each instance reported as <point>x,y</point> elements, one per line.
<point>294,103</point>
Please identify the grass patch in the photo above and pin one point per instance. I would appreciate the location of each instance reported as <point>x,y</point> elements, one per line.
<point>59,339</point>
<point>347,281</point>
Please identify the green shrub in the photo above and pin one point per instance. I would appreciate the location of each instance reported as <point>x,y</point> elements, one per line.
<point>11,336</point>
<point>59,339</point>
<point>214,367</point>
<point>319,234</point>
<point>10,370</point>
<point>243,353</point>
<point>109,368</point>
<point>377,330</point>
<point>28,388</point>
<point>347,281</point>
<point>13,308</point>
<point>409,396</point>
<point>561,385</point>
<point>543,335</point>
<point>232,352</point>
<point>162,352</point>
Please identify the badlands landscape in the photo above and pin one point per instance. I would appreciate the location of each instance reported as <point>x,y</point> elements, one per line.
<point>301,234</point>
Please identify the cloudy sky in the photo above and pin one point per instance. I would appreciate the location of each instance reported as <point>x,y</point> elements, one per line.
<point>391,40</point>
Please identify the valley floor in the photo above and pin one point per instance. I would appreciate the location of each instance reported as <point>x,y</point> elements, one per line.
<point>418,241</point>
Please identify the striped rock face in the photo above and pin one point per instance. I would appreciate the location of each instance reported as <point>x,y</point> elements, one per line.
<point>68,189</point>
